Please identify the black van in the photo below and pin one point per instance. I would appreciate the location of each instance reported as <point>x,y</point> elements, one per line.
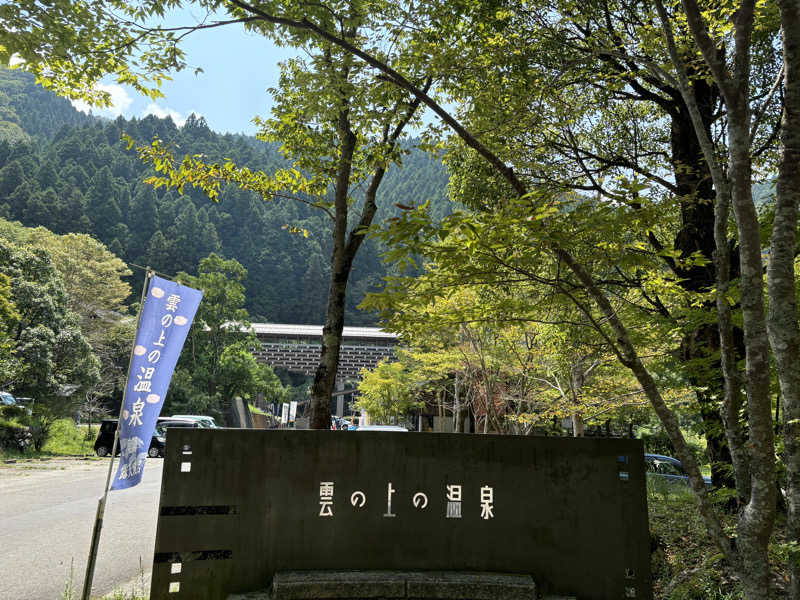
<point>105,438</point>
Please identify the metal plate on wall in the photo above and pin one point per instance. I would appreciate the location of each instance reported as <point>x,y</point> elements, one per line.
<point>239,505</point>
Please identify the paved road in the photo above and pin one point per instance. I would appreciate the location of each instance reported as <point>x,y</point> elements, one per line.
<point>47,512</point>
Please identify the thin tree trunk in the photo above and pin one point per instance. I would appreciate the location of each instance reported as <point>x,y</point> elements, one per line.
<point>733,400</point>
<point>627,355</point>
<point>696,194</point>
<point>345,248</point>
<point>783,325</point>
<point>456,408</point>
<point>325,376</point>
<point>757,518</point>
<point>577,424</point>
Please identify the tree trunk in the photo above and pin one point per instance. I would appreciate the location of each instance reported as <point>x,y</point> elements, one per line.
<point>783,326</point>
<point>457,419</point>
<point>345,247</point>
<point>577,424</point>
<point>325,376</point>
<point>757,518</point>
<point>696,194</point>
<point>732,398</point>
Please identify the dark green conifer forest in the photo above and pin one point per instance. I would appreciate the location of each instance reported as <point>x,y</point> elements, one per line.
<point>71,172</point>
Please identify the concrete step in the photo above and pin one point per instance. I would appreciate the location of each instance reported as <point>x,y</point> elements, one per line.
<point>386,585</point>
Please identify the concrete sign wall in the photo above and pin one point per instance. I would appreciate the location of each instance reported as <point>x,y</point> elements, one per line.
<point>237,506</point>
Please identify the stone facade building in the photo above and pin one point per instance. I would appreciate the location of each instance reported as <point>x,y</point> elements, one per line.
<point>296,348</point>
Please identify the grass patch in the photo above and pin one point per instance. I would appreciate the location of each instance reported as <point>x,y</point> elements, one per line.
<point>685,564</point>
<point>130,595</point>
<point>66,439</point>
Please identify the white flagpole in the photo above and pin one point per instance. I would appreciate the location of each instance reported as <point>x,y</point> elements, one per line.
<point>101,503</point>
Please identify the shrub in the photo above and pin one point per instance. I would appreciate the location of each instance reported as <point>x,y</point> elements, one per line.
<point>67,439</point>
<point>14,436</point>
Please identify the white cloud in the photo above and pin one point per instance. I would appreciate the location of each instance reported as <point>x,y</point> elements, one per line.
<point>120,101</point>
<point>161,112</point>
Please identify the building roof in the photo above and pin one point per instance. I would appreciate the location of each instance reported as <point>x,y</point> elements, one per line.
<point>316,331</point>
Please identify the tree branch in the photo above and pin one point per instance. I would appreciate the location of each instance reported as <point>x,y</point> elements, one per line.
<point>762,111</point>
<point>400,81</point>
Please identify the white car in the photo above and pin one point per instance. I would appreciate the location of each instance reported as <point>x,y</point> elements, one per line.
<point>396,428</point>
<point>205,421</point>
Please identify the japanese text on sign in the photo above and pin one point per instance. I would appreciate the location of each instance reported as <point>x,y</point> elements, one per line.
<point>419,500</point>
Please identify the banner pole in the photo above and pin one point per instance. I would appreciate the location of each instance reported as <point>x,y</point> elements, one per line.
<point>101,503</point>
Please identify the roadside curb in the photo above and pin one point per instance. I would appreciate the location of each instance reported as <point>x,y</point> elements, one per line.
<point>91,457</point>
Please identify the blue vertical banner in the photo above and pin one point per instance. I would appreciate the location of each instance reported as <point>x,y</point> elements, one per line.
<point>166,317</point>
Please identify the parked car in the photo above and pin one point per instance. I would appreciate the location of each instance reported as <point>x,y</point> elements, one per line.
<point>397,428</point>
<point>8,399</point>
<point>668,470</point>
<point>204,420</point>
<point>158,442</point>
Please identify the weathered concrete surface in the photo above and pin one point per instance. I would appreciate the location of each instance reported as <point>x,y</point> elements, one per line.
<point>237,506</point>
<point>383,585</point>
<point>469,586</point>
<point>317,585</point>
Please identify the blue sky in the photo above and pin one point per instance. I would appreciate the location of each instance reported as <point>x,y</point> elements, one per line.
<point>238,68</point>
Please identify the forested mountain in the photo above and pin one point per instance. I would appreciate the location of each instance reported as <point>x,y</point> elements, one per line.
<point>70,172</point>
<point>28,111</point>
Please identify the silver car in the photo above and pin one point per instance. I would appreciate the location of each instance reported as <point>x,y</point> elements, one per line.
<point>668,470</point>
